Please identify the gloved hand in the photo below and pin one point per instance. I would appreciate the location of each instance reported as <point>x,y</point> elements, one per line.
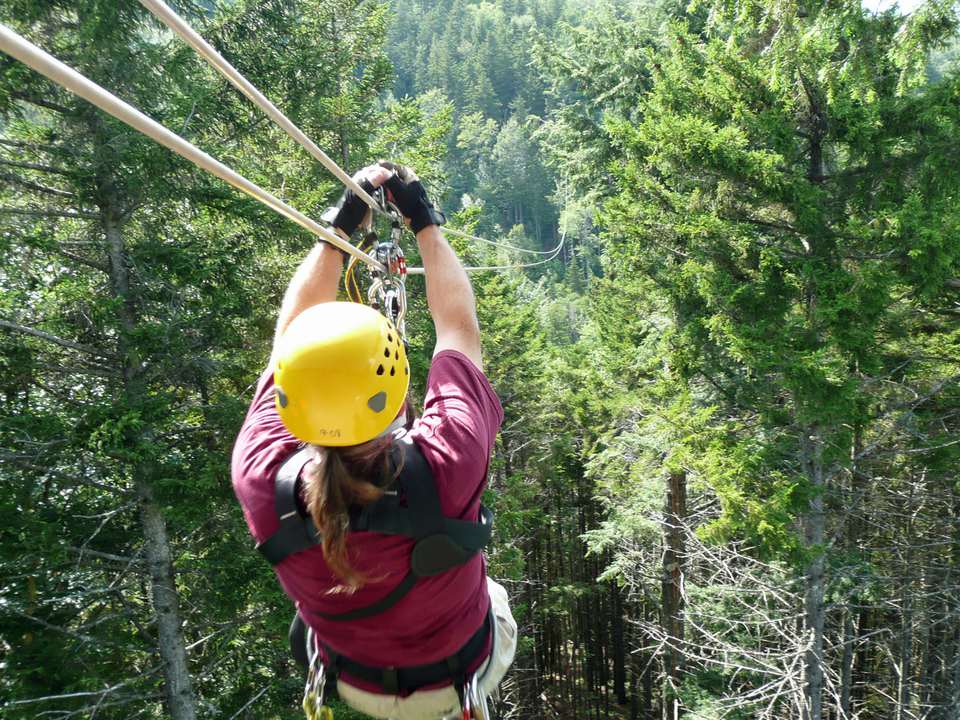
<point>350,210</point>
<point>410,197</point>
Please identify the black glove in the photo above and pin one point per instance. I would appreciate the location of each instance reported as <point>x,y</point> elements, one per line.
<point>411,199</point>
<point>350,209</point>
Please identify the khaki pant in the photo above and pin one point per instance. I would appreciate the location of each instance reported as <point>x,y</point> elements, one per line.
<point>444,703</point>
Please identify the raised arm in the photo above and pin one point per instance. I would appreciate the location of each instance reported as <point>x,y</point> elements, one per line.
<point>449,296</point>
<point>318,276</point>
<point>449,293</point>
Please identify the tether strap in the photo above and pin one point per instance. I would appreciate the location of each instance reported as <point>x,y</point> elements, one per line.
<point>295,533</point>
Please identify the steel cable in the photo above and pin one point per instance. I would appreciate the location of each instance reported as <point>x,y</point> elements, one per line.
<point>29,54</point>
<point>178,25</point>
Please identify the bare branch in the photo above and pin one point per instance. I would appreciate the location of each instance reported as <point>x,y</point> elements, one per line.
<point>35,166</point>
<point>43,147</point>
<point>102,267</point>
<point>54,339</point>
<point>249,702</point>
<point>23,182</point>
<point>81,552</point>
<point>31,212</point>
<point>41,102</point>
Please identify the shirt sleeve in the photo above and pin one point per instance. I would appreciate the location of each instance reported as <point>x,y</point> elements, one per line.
<point>263,442</point>
<point>458,428</point>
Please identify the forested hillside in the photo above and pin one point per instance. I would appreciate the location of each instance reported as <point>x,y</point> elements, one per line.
<point>725,332</point>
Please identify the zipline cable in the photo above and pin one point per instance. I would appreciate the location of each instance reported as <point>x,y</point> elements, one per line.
<point>178,25</point>
<point>495,243</point>
<point>65,76</point>
<point>554,253</point>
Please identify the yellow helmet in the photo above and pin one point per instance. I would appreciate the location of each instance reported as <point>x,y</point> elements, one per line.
<point>342,374</point>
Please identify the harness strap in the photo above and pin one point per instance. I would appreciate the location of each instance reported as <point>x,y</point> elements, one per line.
<point>423,500</point>
<point>441,543</point>
<point>295,533</point>
<point>395,680</point>
<point>384,603</point>
<point>394,520</point>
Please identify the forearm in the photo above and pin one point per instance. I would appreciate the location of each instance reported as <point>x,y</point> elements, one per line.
<point>450,295</point>
<point>315,281</point>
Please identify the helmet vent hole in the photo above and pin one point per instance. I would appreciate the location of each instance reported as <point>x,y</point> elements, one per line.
<point>393,371</point>
<point>389,337</point>
<point>406,370</point>
<point>380,370</point>
<point>386,352</point>
<point>396,354</point>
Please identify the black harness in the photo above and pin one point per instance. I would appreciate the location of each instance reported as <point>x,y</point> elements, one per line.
<point>413,511</point>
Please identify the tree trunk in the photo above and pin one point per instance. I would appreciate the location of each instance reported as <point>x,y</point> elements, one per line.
<point>952,655</point>
<point>854,529</point>
<point>954,703</point>
<point>647,659</point>
<point>812,444</point>
<point>173,653</point>
<point>619,647</point>
<point>861,657</point>
<point>675,513</point>
<point>905,661</point>
<point>166,606</point>
<point>846,665</point>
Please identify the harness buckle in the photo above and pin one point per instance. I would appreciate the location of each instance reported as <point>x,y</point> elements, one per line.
<point>391,680</point>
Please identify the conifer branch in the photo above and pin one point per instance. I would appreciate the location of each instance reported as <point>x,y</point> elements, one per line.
<point>41,102</point>
<point>36,166</point>
<point>102,267</point>
<point>42,147</point>
<point>23,182</point>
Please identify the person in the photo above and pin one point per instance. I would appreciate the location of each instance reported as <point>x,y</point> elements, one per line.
<point>399,648</point>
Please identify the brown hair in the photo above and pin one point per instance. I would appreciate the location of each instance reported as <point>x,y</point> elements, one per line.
<point>338,478</point>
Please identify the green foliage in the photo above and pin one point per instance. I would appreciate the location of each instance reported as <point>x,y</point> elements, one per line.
<point>757,293</point>
<point>778,250</point>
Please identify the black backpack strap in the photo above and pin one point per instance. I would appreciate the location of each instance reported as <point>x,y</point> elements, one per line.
<point>442,543</point>
<point>423,501</point>
<point>413,466</point>
<point>473,536</point>
<point>295,533</point>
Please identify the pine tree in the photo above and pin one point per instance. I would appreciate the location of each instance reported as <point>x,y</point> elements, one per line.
<point>772,189</point>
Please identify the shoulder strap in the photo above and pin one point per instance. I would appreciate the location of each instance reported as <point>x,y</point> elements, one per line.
<point>295,533</point>
<point>442,542</point>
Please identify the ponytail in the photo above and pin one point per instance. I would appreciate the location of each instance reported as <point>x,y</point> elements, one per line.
<point>341,477</point>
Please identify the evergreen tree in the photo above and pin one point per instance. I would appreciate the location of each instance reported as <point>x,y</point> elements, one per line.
<point>772,190</point>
